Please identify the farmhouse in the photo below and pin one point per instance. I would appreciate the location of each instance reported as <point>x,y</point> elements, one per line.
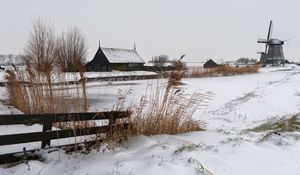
<point>210,64</point>
<point>108,59</point>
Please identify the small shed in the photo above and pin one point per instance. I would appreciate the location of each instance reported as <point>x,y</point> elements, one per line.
<point>108,59</point>
<point>210,64</point>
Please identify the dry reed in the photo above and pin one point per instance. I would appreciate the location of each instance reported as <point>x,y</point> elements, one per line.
<point>168,110</point>
<point>34,93</point>
<point>222,71</point>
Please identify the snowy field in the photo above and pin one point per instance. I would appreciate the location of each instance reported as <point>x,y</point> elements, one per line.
<point>227,147</point>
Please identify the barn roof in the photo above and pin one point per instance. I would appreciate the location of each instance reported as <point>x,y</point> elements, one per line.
<point>115,55</point>
<point>210,64</point>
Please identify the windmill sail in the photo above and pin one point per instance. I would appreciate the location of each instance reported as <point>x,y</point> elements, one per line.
<point>269,35</point>
<point>270,30</point>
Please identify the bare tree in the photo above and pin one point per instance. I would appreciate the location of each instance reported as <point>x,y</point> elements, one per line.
<point>40,47</point>
<point>10,58</point>
<point>40,53</point>
<point>159,61</point>
<point>71,51</point>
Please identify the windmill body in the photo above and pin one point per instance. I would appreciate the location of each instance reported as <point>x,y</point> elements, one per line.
<point>273,53</point>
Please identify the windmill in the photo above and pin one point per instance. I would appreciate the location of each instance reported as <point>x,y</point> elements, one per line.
<point>273,53</point>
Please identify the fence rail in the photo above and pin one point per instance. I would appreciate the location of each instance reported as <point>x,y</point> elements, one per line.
<point>47,120</point>
<point>100,79</point>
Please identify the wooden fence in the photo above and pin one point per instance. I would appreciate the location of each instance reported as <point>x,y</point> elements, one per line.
<point>47,134</point>
<point>123,78</point>
<point>100,79</point>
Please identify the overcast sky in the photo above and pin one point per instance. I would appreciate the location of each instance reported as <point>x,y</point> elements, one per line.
<point>201,29</point>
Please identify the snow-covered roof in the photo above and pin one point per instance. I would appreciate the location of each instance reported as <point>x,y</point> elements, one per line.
<point>115,55</point>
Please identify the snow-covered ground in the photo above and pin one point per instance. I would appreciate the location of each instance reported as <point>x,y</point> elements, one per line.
<point>226,147</point>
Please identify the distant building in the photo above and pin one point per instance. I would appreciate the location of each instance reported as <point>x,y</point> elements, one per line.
<point>108,59</point>
<point>210,64</point>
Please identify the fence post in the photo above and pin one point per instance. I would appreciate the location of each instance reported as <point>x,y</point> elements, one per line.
<point>111,123</point>
<point>47,126</point>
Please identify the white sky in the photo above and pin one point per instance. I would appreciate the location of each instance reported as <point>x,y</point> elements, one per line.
<point>201,29</point>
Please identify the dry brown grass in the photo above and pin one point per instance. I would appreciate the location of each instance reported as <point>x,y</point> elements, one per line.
<point>168,110</point>
<point>171,115</point>
<point>32,93</point>
<point>222,71</point>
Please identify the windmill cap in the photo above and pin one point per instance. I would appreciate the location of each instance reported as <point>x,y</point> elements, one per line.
<point>275,41</point>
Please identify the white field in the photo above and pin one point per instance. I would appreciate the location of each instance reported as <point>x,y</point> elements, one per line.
<point>225,148</point>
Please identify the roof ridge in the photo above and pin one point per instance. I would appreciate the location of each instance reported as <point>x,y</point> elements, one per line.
<point>122,55</point>
<point>116,48</point>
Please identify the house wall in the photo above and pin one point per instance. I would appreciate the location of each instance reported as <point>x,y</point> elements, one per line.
<point>99,63</point>
<point>119,66</point>
<point>135,66</point>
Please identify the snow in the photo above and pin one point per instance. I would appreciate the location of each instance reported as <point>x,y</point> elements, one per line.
<point>122,55</point>
<point>226,147</point>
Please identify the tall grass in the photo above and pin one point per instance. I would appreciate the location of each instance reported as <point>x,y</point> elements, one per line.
<point>167,110</point>
<point>221,71</point>
<point>35,93</point>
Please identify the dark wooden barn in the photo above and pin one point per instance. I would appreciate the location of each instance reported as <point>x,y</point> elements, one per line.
<point>108,59</point>
<point>210,64</point>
